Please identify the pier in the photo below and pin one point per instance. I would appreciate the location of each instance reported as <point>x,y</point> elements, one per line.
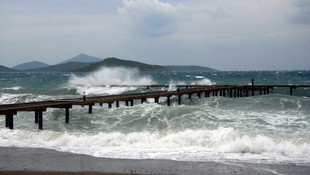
<point>231,91</point>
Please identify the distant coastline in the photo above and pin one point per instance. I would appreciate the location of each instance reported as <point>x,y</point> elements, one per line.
<point>86,63</point>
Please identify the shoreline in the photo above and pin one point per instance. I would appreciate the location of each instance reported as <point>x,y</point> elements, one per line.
<point>37,161</point>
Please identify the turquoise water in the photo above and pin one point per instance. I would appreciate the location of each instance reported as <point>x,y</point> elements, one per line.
<point>273,128</point>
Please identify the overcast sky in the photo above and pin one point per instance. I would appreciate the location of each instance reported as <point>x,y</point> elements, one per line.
<point>222,34</point>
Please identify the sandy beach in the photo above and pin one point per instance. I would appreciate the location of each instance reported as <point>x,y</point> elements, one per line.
<point>17,161</point>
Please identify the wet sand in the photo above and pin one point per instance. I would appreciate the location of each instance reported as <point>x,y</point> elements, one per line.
<point>37,161</point>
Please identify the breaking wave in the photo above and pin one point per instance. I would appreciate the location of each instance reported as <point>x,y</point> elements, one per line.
<point>99,82</point>
<point>198,145</point>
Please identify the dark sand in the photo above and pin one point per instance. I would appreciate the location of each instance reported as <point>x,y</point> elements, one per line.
<point>34,161</point>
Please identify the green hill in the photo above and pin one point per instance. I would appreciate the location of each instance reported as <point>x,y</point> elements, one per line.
<point>30,65</point>
<point>6,69</point>
<point>190,69</point>
<point>66,67</point>
<point>83,58</point>
<point>115,62</point>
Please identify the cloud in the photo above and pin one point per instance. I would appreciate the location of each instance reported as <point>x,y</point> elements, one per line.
<point>303,13</point>
<point>150,18</point>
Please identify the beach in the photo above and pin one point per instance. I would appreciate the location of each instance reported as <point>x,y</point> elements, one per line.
<point>15,161</point>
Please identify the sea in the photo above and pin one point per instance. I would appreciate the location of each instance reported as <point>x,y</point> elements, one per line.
<point>269,129</point>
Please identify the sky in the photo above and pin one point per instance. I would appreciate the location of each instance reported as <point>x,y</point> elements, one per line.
<point>228,35</point>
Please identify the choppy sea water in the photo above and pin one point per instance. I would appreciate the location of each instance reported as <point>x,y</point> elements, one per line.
<point>274,128</point>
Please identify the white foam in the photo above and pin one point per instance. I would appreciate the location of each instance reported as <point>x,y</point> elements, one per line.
<point>93,90</point>
<point>6,98</point>
<point>172,86</point>
<point>188,145</point>
<point>204,81</point>
<point>98,82</point>
<point>15,88</point>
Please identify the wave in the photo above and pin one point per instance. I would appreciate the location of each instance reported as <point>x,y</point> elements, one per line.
<point>15,88</point>
<point>6,98</point>
<point>99,82</point>
<point>188,145</point>
<point>202,81</point>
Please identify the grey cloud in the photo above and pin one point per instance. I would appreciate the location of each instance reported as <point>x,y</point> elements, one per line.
<point>303,14</point>
<point>150,18</point>
<point>155,25</point>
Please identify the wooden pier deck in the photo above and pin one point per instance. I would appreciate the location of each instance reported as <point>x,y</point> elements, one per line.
<point>232,91</point>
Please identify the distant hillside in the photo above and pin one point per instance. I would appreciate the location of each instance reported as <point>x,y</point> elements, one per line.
<point>115,62</point>
<point>83,58</point>
<point>66,67</point>
<point>30,65</point>
<point>190,69</point>
<point>6,69</point>
<point>86,63</point>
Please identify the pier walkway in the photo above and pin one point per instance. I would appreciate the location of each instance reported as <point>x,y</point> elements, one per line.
<point>232,91</point>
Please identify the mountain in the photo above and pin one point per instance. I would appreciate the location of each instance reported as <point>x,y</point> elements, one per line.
<point>30,65</point>
<point>115,62</point>
<point>83,58</point>
<point>6,69</point>
<point>190,69</point>
<point>86,63</point>
<point>66,67</point>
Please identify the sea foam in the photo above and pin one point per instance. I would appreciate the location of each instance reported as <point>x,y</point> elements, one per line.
<point>187,145</point>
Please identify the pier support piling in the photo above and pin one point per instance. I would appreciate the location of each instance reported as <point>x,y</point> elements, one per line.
<point>90,109</point>
<point>156,100</point>
<point>179,99</point>
<point>253,87</point>
<point>291,90</point>
<point>67,115</point>
<point>36,117</point>
<point>207,94</point>
<point>168,100</point>
<point>117,104</point>
<point>131,102</point>
<point>10,121</point>
<point>110,105</point>
<point>41,120</point>
<point>126,102</point>
<point>143,100</point>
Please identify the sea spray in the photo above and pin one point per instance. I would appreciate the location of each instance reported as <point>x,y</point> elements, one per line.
<point>98,82</point>
<point>204,81</point>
